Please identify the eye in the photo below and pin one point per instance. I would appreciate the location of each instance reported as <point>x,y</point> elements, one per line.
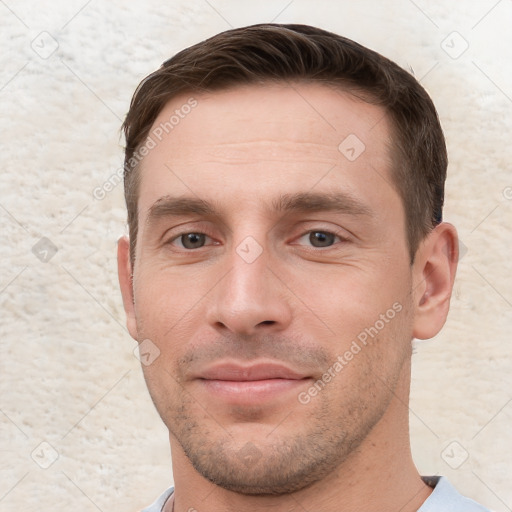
<point>321,238</point>
<point>190,240</point>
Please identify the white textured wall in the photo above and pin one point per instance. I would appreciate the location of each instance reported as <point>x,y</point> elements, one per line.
<point>68,375</point>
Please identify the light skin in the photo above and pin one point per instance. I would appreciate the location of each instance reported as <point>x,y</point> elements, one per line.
<point>242,333</point>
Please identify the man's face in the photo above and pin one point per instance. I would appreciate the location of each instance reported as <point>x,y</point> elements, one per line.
<point>255,299</point>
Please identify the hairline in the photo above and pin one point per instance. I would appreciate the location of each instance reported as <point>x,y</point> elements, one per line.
<point>397,156</point>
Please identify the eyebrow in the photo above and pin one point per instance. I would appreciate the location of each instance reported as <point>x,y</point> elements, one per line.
<point>301,202</point>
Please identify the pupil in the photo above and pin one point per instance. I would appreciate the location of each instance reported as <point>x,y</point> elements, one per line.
<point>321,239</point>
<point>192,240</point>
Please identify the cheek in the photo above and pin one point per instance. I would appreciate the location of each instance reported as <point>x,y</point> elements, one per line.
<point>368,363</point>
<point>370,329</point>
<point>354,299</point>
<point>166,297</point>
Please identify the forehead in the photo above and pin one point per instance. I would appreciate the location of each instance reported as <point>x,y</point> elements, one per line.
<point>256,137</point>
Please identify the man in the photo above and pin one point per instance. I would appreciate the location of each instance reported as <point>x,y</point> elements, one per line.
<point>284,188</point>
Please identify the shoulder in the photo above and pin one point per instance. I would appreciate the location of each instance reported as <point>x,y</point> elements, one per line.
<point>446,497</point>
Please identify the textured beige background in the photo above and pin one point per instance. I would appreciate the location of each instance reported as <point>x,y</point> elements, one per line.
<point>69,378</point>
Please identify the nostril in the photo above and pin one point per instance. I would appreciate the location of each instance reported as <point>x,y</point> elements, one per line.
<point>267,322</point>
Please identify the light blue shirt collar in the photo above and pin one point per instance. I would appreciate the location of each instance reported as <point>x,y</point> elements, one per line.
<point>443,498</point>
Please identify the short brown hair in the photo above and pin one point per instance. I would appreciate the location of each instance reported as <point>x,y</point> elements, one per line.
<point>286,53</point>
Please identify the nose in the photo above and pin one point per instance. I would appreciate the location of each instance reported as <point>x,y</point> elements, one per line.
<point>251,298</point>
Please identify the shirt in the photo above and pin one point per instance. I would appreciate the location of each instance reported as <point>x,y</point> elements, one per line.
<point>444,498</point>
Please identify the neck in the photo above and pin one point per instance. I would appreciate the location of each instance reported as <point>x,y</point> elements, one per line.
<point>378,476</point>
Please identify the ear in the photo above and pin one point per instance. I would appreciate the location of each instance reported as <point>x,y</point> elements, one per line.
<point>124,271</point>
<point>433,276</point>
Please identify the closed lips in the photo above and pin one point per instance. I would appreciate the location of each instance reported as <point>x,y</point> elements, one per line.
<point>233,372</point>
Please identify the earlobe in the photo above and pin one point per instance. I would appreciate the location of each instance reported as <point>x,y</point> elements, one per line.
<point>124,271</point>
<point>433,277</point>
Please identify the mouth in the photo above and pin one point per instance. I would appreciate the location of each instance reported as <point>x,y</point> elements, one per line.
<point>250,385</point>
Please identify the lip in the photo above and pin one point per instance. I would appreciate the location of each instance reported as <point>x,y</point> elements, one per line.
<point>255,384</point>
<point>254,372</point>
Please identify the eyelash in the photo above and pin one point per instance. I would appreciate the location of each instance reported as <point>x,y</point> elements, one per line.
<point>340,238</point>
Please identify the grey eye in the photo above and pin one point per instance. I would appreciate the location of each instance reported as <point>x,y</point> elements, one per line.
<point>192,240</point>
<point>321,238</point>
